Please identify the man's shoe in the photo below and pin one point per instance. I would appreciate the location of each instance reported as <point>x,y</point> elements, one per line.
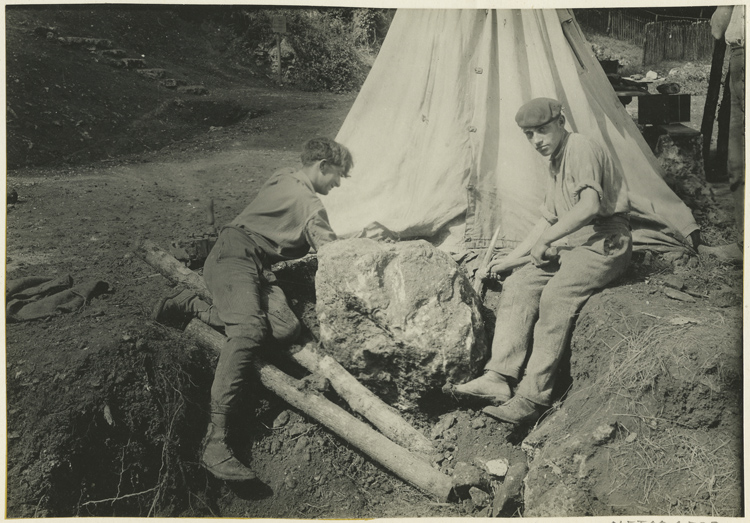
<point>517,410</point>
<point>491,386</point>
<point>219,460</point>
<point>174,308</point>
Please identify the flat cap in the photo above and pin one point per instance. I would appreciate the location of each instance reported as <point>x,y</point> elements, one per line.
<point>538,111</point>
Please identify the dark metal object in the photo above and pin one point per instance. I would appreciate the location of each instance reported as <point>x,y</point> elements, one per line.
<point>661,109</point>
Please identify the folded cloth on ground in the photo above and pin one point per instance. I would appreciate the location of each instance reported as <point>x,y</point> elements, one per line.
<point>36,297</point>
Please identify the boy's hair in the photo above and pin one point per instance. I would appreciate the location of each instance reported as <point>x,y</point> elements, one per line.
<point>328,150</point>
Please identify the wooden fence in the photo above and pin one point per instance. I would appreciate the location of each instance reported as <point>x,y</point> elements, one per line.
<point>666,40</point>
<point>616,24</point>
<point>678,40</point>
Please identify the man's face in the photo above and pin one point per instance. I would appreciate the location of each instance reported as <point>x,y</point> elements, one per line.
<point>330,177</point>
<point>547,137</point>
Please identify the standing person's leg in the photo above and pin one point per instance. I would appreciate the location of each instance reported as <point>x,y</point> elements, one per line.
<point>515,317</point>
<point>232,275</point>
<point>736,146</point>
<point>583,270</point>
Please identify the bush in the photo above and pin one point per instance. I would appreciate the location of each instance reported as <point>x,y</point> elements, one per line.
<point>326,57</point>
<point>330,44</point>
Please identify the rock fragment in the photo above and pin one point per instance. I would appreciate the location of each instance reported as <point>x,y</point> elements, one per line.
<point>497,467</point>
<point>479,497</point>
<point>678,295</point>
<point>604,433</point>
<point>466,476</point>
<point>446,421</point>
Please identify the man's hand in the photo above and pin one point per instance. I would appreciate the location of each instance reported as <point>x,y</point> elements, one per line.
<point>538,252</point>
<point>498,266</point>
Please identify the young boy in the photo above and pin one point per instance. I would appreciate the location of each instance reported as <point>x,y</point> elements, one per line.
<point>283,222</point>
<point>585,213</point>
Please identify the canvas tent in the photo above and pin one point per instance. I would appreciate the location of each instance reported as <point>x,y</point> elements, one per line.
<point>436,148</point>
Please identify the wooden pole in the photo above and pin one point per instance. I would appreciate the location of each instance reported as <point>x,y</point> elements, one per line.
<point>395,458</point>
<point>363,401</point>
<point>172,269</point>
<point>508,494</point>
<point>722,136</point>
<point>709,109</point>
<point>360,398</point>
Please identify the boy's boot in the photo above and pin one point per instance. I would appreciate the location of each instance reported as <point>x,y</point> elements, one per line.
<point>218,458</point>
<point>180,307</point>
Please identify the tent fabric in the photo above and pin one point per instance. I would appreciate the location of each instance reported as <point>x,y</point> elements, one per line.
<point>435,142</point>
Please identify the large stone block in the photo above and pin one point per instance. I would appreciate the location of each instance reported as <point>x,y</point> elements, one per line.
<point>400,316</point>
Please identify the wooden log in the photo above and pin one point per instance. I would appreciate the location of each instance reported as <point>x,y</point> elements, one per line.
<point>363,401</point>
<point>171,268</point>
<point>360,398</point>
<point>709,108</point>
<point>509,494</point>
<point>384,451</point>
<point>722,135</point>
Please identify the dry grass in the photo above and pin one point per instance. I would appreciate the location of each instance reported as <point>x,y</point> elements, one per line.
<point>662,461</point>
<point>638,359</point>
<point>689,472</point>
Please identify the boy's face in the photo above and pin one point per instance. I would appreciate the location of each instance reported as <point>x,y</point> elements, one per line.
<point>329,177</point>
<point>547,137</point>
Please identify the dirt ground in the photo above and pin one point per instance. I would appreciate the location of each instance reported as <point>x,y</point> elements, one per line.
<point>106,408</point>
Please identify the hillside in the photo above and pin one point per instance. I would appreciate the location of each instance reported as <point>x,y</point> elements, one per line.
<point>106,408</point>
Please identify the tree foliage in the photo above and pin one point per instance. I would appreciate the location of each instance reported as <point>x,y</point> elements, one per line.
<point>332,46</point>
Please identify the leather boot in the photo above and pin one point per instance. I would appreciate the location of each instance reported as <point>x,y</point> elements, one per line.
<point>491,386</point>
<point>178,308</point>
<point>219,459</point>
<point>517,410</point>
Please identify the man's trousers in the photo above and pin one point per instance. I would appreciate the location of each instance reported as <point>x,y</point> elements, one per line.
<point>538,306</point>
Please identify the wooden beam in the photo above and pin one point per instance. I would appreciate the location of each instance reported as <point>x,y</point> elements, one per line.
<point>171,268</point>
<point>363,401</point>
<point>709,108</point>
<point>722,136</point>
<point>393,457</point>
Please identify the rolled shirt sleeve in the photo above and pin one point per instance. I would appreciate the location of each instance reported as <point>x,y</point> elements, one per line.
<point>318,230</point>
<point>585,164</point>
<point>585,168</point>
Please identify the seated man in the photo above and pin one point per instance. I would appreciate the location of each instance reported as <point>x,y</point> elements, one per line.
<point>283,222</point>
<point>585,213</point>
